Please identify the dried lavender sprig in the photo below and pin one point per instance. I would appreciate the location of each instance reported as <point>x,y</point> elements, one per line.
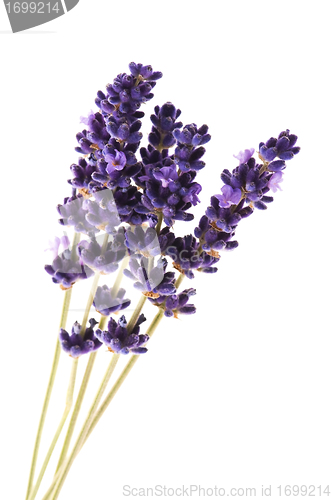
<point>55,363</point>
<point>86,377</point>
<point>82,436</point>
<point>125,372</point>
<point>82,390</point>
<point>98,414</point>
<point>132,361</point>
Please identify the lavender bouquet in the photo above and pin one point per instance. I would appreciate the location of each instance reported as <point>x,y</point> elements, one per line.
<point>122,212</point>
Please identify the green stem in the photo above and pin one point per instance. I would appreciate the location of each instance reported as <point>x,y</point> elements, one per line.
<point>69,402</point>
<point>81,438</point>
<point>179,280</point>
<point>160,221</point>
<point>79,401</point>
<point>49,492</point>
<point>117,282</point>
<point>92,291</point>
<point>92,422</point>
<point>55,363</point>
<point>122,377</point>
<point>83,434</point>
<point>76,410</point>
<point>89,367</point>
<point>136,313</point>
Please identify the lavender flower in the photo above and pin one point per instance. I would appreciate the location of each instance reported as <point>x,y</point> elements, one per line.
<point>142,240</point>
<point>153,280</point>
<point>106,302</point>
<point>92,255</point>
<point>82,174</point>
<point>283,147</point>
<point>74,215</point>
<point>55,244</point>
<point>249,184</point>
<point>119,340</point>
<point>187,257</point>
<point>213,238</point>
<point>274,182</point>
<point>251,179</point>
<point>76,345</point>
<point>164,121</point>
<point>128,92</point>
<point>176,304</point>
<point>95,137</point>
<point>66,269</point>
<point>187,153</point>
<point>165,189</point>
<point>229,196</point>
<point>244,156</point>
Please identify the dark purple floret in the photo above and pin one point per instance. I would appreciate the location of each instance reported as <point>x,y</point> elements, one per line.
<point>189,150</point>
<point>82,172</point>
<point>166,238</point>
<point>283,147</point>
<point>95,136</point>
<point>106,302</point>
<point>252,179</point>
<point>176,304</point>
<point>164,123</point>
<point>187,257</point>
<point>212,238</point>
<point>123,130</point>
<point>128,92</point>
<point>76,345</point>
<point>151,280</point>
<point>119,340</point>
<point>165,190</point>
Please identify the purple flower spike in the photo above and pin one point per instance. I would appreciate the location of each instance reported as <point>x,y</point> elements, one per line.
<point>119,340</point>
<point>229,196</point>
<point>153,280</point>
<point>176,304</point>
<point>243,156</point>
<point>274,182</point>
<point>283,147</point>
<point>76,345</point>
<point>66,269</point>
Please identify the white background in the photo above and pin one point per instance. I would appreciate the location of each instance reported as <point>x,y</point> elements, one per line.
<point>238,395</point>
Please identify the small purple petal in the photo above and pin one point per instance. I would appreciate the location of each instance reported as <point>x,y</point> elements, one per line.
<point>243,156</point>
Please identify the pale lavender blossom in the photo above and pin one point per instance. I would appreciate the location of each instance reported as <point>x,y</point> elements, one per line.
<point>56,243</point>
<point>274,182</point>
<point>229,196</point>
<point>243,156</point>
<point>85,119</point>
